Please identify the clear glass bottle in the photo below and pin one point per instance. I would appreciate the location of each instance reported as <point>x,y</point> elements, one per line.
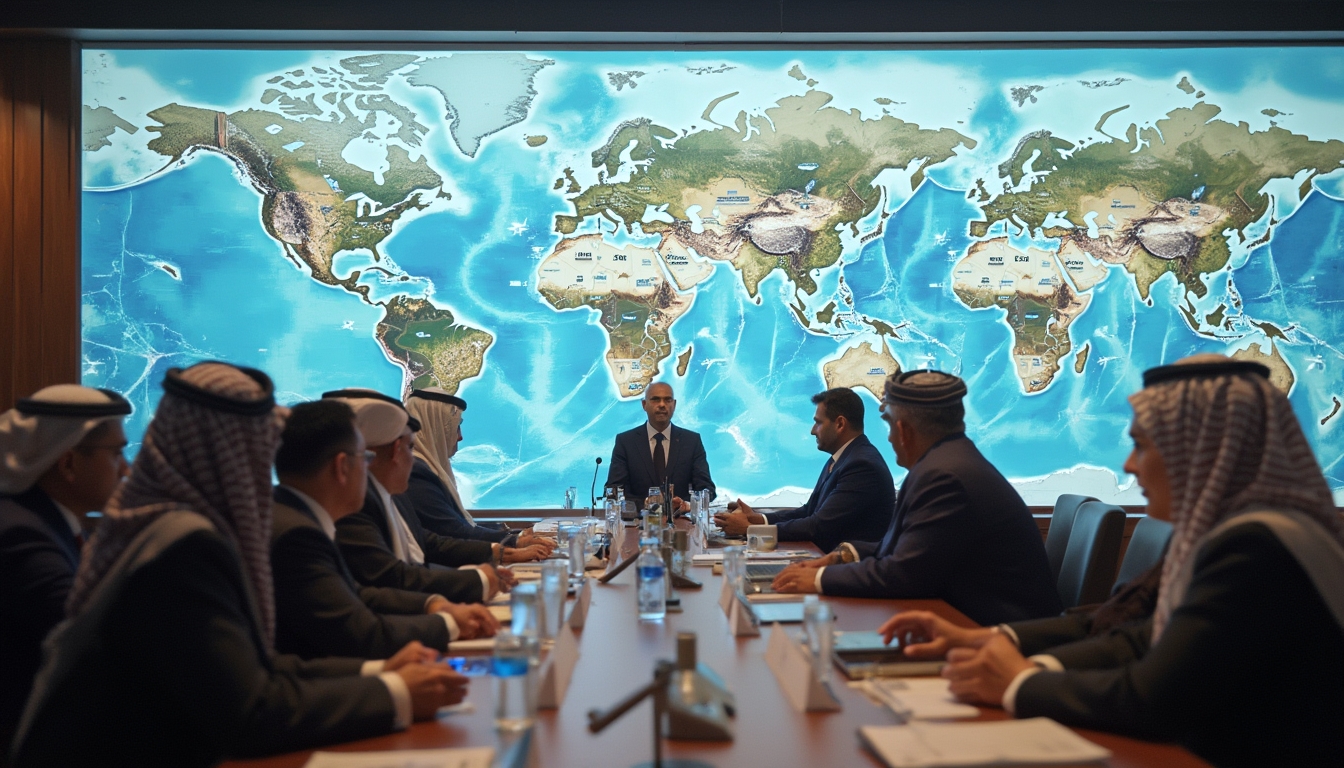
<point>652,578</point>
<point>653,512</point>
<point>515,683</point>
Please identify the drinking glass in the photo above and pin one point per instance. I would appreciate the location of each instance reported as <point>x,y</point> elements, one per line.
<point>562,533</point>
<point>578,555</point>
<point>524,604</point>
<point>819,624</point>
<point>735,566</point>
<point>571,495</point>
<point>515,683</point>
<point>554,586</point>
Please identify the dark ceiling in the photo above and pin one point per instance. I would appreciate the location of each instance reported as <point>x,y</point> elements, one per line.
<point>689,21</point>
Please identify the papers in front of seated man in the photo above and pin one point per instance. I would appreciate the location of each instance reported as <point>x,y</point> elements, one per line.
<point>472,757</point>
<point>1037,741</point>
<point>917,698</point>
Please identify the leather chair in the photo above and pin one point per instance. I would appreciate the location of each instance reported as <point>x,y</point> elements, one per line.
<point>1088,570</point>
<point>1147,545</point>
<point>1061,524</point>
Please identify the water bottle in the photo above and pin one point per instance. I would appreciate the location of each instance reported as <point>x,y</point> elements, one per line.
<point>515,683</point>
<point>819,626</point>
<point>652,575</point>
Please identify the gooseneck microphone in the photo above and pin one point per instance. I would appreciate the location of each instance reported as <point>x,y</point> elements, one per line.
<point>592,487</point>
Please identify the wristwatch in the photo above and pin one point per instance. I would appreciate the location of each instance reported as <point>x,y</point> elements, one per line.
<point>846,553</point>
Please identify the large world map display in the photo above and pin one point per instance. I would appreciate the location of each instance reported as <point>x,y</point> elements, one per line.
<point>547,233</point>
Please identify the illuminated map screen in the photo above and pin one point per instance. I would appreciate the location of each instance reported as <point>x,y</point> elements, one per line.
<point>548,232</point>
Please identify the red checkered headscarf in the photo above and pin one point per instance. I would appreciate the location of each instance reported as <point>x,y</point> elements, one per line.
<point>1230,441</point>
<point>208,450</point>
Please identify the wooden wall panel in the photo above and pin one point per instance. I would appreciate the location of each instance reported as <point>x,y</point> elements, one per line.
<point>39,216</point>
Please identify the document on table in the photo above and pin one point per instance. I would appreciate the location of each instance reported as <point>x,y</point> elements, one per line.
<point>473,757</point>
<point>1038,741</point>
<point>918,698</point>
<point>782,555</point>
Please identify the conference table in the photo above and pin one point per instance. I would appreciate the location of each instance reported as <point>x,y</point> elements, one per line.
<point>617,656</point>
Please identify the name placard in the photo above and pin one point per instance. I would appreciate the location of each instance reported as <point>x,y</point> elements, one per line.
<point>557,670</point>
<point>792,667</point>
<point>579,613</point>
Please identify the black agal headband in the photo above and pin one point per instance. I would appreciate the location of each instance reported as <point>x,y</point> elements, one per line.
<point>1164,373</point>
<point>175,385</point>
<point>118,406</point>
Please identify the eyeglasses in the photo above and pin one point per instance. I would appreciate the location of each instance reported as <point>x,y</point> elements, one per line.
<point>368,456</point>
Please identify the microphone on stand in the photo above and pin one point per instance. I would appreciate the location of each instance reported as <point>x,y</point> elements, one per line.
<point>592,487</point>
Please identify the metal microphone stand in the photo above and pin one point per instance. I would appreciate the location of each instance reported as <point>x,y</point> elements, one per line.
<point>662,675</point>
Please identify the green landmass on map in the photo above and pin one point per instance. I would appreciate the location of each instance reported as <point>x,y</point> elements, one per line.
<point>774,157</point>
<point>428,342</point>
<point>318,205</point>
<point>1187,157</point>
<point>99,124</point>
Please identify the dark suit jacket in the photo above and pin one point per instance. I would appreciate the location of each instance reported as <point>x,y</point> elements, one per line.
<point>1247,672</point>
<point>852,502</point>
<point>366,545</point>
<point>961,534</point>
<point>175,673</point>
<point>38,560</point>
<point>438,512</point>
<point>632,463</point>
<point>319,608</point>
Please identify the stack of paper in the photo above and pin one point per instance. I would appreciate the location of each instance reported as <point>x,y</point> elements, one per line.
<point>1036,741</point>
<point>474,757</point>
<point>918,698</point>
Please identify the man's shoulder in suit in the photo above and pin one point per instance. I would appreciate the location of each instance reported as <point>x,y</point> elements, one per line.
<point>285,519</point>
<point>682,432</point>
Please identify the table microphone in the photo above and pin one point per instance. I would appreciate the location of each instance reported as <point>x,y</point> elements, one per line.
<point>592,487</point>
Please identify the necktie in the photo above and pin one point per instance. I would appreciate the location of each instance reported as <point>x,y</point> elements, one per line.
<point>830,465</point>
<point>659,458</point>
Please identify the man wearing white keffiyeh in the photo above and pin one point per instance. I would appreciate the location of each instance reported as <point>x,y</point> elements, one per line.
<point>432,490</point>
<point>167,657</point>
<point>1255,573</point>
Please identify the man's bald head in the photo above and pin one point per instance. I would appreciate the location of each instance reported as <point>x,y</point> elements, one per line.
<point>659,404</point>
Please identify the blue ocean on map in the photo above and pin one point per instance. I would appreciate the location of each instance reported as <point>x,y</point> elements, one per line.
<point>179,266</point>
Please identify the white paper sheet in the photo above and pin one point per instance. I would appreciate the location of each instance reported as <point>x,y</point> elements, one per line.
<point>1038,741</point>
<point>473,757</point>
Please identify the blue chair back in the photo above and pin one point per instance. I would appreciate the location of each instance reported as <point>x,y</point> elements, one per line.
<point>1090,559</point>
<point>1061,524</point>
<point>1147,545</point>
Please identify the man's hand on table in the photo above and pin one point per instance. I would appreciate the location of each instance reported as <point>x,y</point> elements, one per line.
<point>526,554</point>
<point>412,653</point>
<point>981,676</point>
<point>925,635</point>
<point>734,522</point>
<point>432,686</point>
<point>473,621</point>
<point>507,580</point>
<point>530,538</point>
<point>799,578</point>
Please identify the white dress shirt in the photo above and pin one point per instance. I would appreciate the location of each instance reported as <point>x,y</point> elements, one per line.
<point>404,546</point>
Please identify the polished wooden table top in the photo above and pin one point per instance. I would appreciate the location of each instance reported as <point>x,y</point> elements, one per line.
<point>617,655</point>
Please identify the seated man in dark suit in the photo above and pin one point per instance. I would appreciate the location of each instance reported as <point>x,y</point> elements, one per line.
<point>384,544</point>
<point>319,608</point>
<point>961,532</point>
<point>60,459</point>
<point>659,453</point>
<point>852,500</point>
<point>432,491</point>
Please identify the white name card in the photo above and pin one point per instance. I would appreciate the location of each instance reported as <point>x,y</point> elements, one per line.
<point>792,666</point>
<point>726,597</point>
<point>741,620</point>
<point>579,613</point>
<point>555,673</point>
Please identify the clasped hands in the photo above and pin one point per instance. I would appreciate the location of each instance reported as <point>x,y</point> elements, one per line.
<point>473,620</point>
<point>431,685</point>
<point>981,662</point>
<point>734,522</point>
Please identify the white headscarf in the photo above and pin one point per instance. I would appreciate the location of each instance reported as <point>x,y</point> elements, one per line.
<point>441,420</point>
<point>1230,442</point>
<point>39,429</point>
